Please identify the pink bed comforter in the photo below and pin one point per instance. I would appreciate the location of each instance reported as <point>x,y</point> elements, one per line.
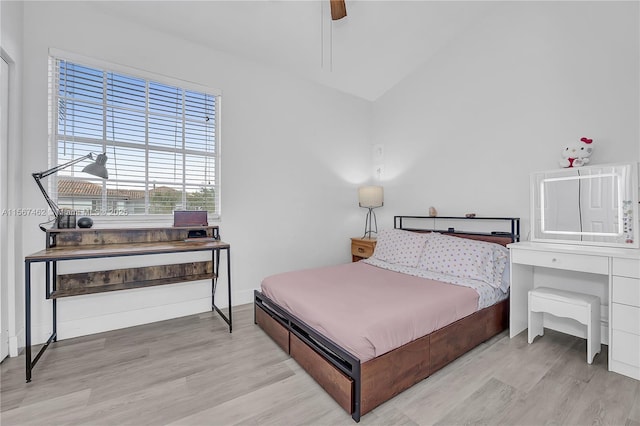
<point>369,310</point>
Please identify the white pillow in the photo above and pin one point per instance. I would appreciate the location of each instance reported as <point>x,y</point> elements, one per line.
<point>465,258</point>
<point>400,247</point>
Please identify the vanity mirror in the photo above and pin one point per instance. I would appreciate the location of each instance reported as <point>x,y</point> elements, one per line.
<point>594,205</point>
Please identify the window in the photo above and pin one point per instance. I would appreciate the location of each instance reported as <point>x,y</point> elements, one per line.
<point>161,138</point>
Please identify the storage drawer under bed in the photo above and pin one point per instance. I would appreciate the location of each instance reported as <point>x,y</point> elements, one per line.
<point>334,382</point>
<point>273,328</point>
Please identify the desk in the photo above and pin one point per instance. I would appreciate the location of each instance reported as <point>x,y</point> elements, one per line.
<point>619,269</point>
<point>78,244</point>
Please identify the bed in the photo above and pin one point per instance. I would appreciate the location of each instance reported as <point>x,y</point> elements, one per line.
<point>368,330</point>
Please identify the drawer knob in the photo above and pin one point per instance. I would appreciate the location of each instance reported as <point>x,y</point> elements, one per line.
<point>360,250</point>
<point>554,260</point>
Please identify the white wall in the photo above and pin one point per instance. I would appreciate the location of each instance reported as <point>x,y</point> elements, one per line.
<point>293,154</point>
<point>11,43</point>
<point>464,132</point>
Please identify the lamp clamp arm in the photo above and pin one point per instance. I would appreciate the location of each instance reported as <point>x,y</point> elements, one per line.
<point>54,207</point>
<point>55,169</point>
<point>40,175</point>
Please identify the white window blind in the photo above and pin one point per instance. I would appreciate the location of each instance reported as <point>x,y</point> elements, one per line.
<point>161,141</point>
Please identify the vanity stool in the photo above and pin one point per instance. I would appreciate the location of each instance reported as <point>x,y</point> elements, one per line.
<point>583,308</point>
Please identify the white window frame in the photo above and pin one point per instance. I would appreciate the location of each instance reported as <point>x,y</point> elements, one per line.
<point>143,74</point>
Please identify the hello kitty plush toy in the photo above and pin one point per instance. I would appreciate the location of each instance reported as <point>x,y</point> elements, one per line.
<point>577,155</point>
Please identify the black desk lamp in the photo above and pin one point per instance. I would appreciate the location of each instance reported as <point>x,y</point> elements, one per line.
<point>96,168</point>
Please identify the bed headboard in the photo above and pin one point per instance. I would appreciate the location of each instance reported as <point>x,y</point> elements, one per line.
<point>499,230</point>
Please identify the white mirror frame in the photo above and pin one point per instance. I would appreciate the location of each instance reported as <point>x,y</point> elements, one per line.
<point>607,238</point>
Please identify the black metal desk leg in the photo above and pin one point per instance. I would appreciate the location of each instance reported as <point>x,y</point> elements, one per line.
<point>27,319</point>
<point>215,258</point>
<point>55,302</point>
<point>229,284</point>
<point>31,363</point>
<point>216,268</point>
<point>49,278</point>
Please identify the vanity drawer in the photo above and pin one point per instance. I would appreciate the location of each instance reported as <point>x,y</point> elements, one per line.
<point>626,267</point>
<point>625,348</point>
<point>625,318</point>
<point>571,262</point>
<point>626,291</point>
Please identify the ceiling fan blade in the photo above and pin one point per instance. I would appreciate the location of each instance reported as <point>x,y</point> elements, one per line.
<point>338,9</point>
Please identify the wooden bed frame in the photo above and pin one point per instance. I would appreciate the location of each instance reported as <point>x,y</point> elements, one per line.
<point>360,387</point>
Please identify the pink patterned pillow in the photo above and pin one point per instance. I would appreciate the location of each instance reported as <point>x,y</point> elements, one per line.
<point>401,247</point>
<point>465,258</point>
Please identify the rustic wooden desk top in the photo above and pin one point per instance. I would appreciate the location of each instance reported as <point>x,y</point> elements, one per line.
<point>124,249</point>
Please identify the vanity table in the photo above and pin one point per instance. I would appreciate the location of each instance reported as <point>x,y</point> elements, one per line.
<point>617,268</point>
<point>585,239</point>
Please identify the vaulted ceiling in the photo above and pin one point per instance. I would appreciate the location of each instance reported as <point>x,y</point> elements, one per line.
<point>365,54</point>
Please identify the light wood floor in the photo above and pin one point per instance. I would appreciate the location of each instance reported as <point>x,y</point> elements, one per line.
<point>191,371</point>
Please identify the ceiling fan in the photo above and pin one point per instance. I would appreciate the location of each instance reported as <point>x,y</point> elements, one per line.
<point>338,9</point>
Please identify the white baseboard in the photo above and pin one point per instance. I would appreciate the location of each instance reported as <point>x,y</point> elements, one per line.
<point>95,315</point>
<point>123,319</point>
<point>242,297</point>
<point>99,324</point>
<point>14,343</point>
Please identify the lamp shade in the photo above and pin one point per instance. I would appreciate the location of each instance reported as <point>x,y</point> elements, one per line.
<point>98,167</point>
<point>371,196</point>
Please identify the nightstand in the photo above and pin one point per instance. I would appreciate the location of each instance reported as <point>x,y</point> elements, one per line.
<point>361,248</point>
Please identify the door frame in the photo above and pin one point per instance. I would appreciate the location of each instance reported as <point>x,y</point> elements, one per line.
<point>4,208</point>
